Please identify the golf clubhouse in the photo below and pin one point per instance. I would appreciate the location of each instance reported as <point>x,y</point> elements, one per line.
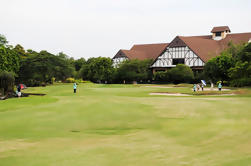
<point>193,51</point>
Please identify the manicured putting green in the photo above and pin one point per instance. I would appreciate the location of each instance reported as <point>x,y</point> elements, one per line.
<point>122,125</point>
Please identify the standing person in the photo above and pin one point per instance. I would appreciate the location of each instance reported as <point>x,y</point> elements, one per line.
<point>202,87</point>
<point>219,86</point>
<point>198,87</point>
<point>19,94</point>
<point>194,87</point>
<point>75,87</point>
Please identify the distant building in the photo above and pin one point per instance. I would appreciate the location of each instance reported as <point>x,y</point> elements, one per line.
<point>193,51</point>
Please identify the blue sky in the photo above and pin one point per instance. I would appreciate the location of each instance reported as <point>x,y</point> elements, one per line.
<point>92,28</point>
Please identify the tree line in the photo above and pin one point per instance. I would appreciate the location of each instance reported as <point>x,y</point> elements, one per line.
<point>32,68</point>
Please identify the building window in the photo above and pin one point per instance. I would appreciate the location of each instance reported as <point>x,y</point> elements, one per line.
<point>218,34</point>
<point>178,61</point>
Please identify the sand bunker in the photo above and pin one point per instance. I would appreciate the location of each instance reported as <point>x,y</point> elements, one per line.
<point>158,86</point>
<point>181,94</point>
<point>226,94</point>
<point>214,89</point>
<point>170,94</point>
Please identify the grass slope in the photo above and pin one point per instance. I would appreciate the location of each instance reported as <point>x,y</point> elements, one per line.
<point>121,125</point>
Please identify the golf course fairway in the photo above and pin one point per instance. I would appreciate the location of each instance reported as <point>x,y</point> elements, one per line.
<point>122,125</point>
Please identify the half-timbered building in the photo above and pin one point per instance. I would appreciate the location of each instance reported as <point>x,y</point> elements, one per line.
<point>195,51</point>
<point>140,52</point>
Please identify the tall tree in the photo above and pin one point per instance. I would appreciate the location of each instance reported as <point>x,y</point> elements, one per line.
<point>79,63</point>
<point>98,70</point>
<point>217,68</point>
<point>42,67</point>
<point>9,59</point>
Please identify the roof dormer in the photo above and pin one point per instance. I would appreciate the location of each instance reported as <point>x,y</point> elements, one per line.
<point>219,33</point>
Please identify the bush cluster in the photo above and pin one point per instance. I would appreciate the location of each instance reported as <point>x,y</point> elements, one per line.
<point>179,74</point>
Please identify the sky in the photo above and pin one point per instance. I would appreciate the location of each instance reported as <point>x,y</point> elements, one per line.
<point>93,28</point>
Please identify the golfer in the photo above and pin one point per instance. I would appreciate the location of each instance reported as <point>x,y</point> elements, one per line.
<point>198,87</point>
<point>19,94</point>
<point>219,86</point>
<point>75,87</point>
<point>194,87</point>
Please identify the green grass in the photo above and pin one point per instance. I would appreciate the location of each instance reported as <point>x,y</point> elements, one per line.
<point>121,125</point>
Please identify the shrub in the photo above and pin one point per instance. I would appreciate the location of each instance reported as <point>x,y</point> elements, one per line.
<point>161,76</point>
<point>70,80</point>
<point>181,74</point>
<point>241,82</point>
<point>7,81</point>
<point>134,70</point>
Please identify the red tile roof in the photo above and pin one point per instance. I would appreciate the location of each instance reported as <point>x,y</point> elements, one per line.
<point>132,54</point>
<point>143,51</point>
<point>220,29</point>
<point>206,48</point>
<point>203,46</point>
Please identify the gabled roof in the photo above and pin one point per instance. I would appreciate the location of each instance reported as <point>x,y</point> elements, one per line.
<point>236,38</point>
<point>220,29</point>
<point>132,54</point>
<point>152,51</point>
<point>143,51</point>
<point>203,47</point>
<point>206,48</point>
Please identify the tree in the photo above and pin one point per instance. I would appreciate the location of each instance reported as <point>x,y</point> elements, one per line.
<point>7,81</point>
<point>41,67</point>
<point>134,70</point>
<point>240,73</point>
<point>20,51</point>
<point>97,70</point>
<point>9,60</point>
<point>79,63</point>
<point>245,54</point>
<point>217,68</point>
<point>233,65</point>
<point>181,74</point>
